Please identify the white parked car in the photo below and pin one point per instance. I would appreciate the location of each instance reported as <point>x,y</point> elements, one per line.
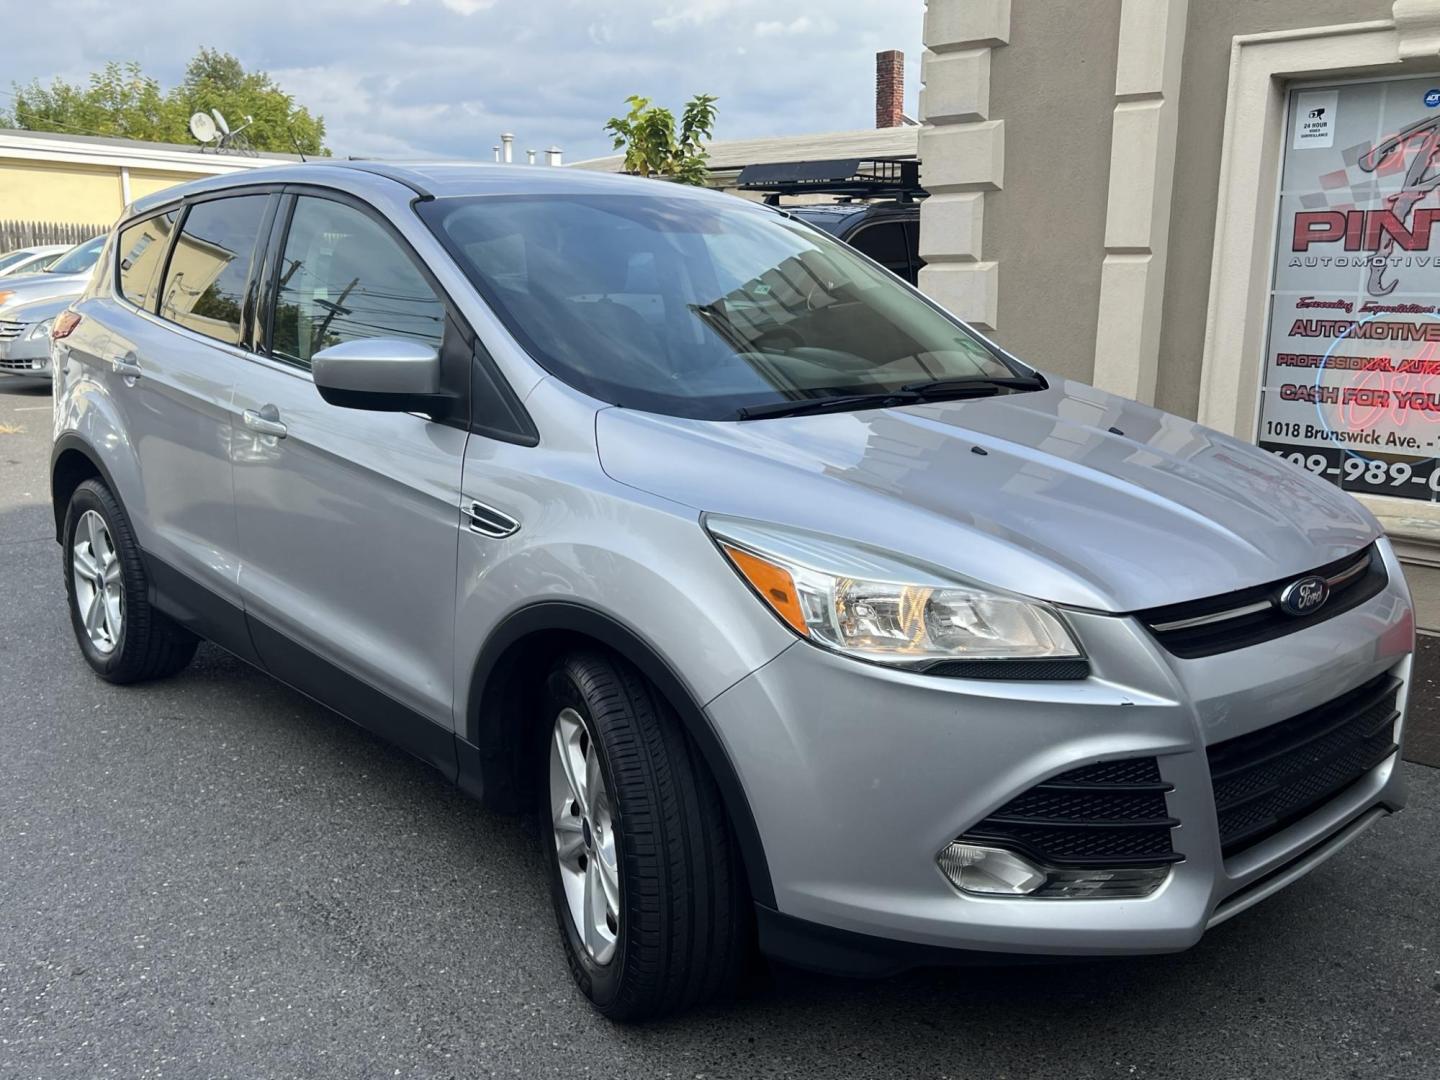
<point>30,260</point>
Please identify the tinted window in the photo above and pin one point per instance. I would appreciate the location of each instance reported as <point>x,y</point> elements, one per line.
<point>697,306</point>
<point>78,259</point>
<point>912,237</point>
<point>343,277</point>
<point>886,243</point>
<point>12,258</point>
<point>141,253</point>
<point>205,282</point>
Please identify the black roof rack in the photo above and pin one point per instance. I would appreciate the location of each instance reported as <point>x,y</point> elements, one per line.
<point>866,178</point>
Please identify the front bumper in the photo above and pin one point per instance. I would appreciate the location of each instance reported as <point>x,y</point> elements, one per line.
<point>858,776</point>
<point>22,355</point>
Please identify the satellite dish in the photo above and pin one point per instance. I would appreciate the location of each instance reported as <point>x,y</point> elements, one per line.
<point>202,127</point>
<point>220,121</point>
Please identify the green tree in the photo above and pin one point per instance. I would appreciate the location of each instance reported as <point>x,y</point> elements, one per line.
<point>121,100</point>
<point>654,148</point>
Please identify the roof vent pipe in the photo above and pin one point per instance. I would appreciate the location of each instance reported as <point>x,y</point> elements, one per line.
<point>552,156</point>
<point>496,151</point>
<point>507,144</point>
<point>530,157</point>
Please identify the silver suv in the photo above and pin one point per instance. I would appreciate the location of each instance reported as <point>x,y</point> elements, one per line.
<point>799,611</point>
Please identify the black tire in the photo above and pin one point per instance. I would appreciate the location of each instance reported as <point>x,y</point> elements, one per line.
<point>684,930</point>
<point>149,644</point>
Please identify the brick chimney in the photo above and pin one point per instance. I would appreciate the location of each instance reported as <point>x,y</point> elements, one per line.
<point>889,88</point>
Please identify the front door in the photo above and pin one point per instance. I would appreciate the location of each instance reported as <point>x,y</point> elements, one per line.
<point>349,520</point>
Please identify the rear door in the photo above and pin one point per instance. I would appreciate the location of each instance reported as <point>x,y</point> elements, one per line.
<point>348,520</point>
<point>174,351</point>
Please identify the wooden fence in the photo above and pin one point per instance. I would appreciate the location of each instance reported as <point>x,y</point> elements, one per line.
<point>19,234</point>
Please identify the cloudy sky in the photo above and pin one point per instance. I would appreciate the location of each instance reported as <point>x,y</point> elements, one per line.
<point>444,77</point>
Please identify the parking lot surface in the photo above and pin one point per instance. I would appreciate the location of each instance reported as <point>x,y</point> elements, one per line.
<point>214,877</point>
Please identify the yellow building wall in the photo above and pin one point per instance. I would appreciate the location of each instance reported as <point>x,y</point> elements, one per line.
<point>148,181</point>
<point>61,192</point>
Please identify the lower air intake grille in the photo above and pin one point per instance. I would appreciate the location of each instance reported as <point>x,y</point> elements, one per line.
<point>1273,777</point>
<point>1112,814</point>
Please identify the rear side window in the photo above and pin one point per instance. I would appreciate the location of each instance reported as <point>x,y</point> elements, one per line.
<point>141,253</point>
<point>205,282</point>
<point>342,277</point>
<point>886,243</point>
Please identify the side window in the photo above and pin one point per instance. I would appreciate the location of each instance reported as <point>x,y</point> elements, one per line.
<point>886,244</point>
<point>141,251</point>
<point>205,282</point>
<point>912,236</point>
<point>342,277</point>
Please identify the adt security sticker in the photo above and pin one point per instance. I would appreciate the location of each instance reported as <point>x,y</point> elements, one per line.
<point>1432,98</point>
<point>1315,119</point>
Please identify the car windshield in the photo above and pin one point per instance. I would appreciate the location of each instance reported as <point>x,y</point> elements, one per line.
<point>10,258</point>
<point>700,307</point>
<point>78,259</point>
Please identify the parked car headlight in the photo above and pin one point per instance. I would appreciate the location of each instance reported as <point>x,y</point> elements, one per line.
<point>879,607</point>
<point>40,330</point>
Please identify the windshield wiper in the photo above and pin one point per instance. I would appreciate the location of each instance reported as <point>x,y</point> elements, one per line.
<point>911,393</point>
<point>974,385</point>
<point>825,404</point>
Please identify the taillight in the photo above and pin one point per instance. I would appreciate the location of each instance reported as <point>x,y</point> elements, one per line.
<point>65,325</point>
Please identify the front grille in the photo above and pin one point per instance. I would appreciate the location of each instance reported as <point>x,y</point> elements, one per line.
<point>1273,777</point>
<point>1236,620</point>
<point>1112,814</point>
<point>10,329</point>
<point>10,364</point>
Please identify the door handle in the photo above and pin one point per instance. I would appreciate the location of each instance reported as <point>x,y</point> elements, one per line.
<point>127,366</point>
<point>266,421</point>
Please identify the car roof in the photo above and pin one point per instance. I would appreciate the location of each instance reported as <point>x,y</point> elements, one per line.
<point>430,179</point>
<point>37,249</point>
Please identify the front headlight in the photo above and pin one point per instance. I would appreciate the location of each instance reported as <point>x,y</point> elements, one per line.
<point>879,607</point>
<point>40,329</point>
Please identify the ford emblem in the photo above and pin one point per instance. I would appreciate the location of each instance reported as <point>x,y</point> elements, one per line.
<point>1305,595</point>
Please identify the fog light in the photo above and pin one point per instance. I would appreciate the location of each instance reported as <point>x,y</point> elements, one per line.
<point>991,871</point>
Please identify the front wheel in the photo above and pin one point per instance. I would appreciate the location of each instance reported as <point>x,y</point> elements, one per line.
<point>644,873</point>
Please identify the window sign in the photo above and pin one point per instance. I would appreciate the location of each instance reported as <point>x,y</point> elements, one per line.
<point>1352,369</point>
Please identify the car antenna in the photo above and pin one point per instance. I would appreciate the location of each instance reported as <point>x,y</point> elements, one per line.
<point>298,148</point>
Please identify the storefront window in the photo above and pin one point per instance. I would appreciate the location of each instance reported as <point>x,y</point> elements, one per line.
<point>1352,370</point>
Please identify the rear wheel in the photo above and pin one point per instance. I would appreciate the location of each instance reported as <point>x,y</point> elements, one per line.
<point>644,873</point>
<point>121,636</point>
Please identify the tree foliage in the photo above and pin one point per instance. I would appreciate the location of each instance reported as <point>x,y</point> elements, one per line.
<point>652,145</point>
<point>121,100</point>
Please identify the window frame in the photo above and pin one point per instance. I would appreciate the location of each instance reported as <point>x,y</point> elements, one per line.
<point>467,368</point>
<point>257,253</point>
<point>879,220</point>
<point>164,263</point>
<point>279,236</point>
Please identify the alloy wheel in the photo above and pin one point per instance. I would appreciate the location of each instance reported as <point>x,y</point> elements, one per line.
<point>99,594</point>
<point>586,846</point>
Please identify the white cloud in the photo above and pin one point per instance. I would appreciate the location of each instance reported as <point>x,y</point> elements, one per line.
<point>694,13</point>
<point>424,78</point>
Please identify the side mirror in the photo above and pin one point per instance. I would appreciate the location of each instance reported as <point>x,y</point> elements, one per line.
<point>381,374</point>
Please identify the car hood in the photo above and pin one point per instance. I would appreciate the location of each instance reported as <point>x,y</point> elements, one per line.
<point>27,288</point>
<point>1070,494</point>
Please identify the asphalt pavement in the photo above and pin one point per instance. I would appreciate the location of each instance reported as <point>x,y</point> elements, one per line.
<point>214,877</point>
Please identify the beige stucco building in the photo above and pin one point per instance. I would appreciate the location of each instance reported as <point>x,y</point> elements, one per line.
<point>1156,195</point>
<point>85,180</point>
